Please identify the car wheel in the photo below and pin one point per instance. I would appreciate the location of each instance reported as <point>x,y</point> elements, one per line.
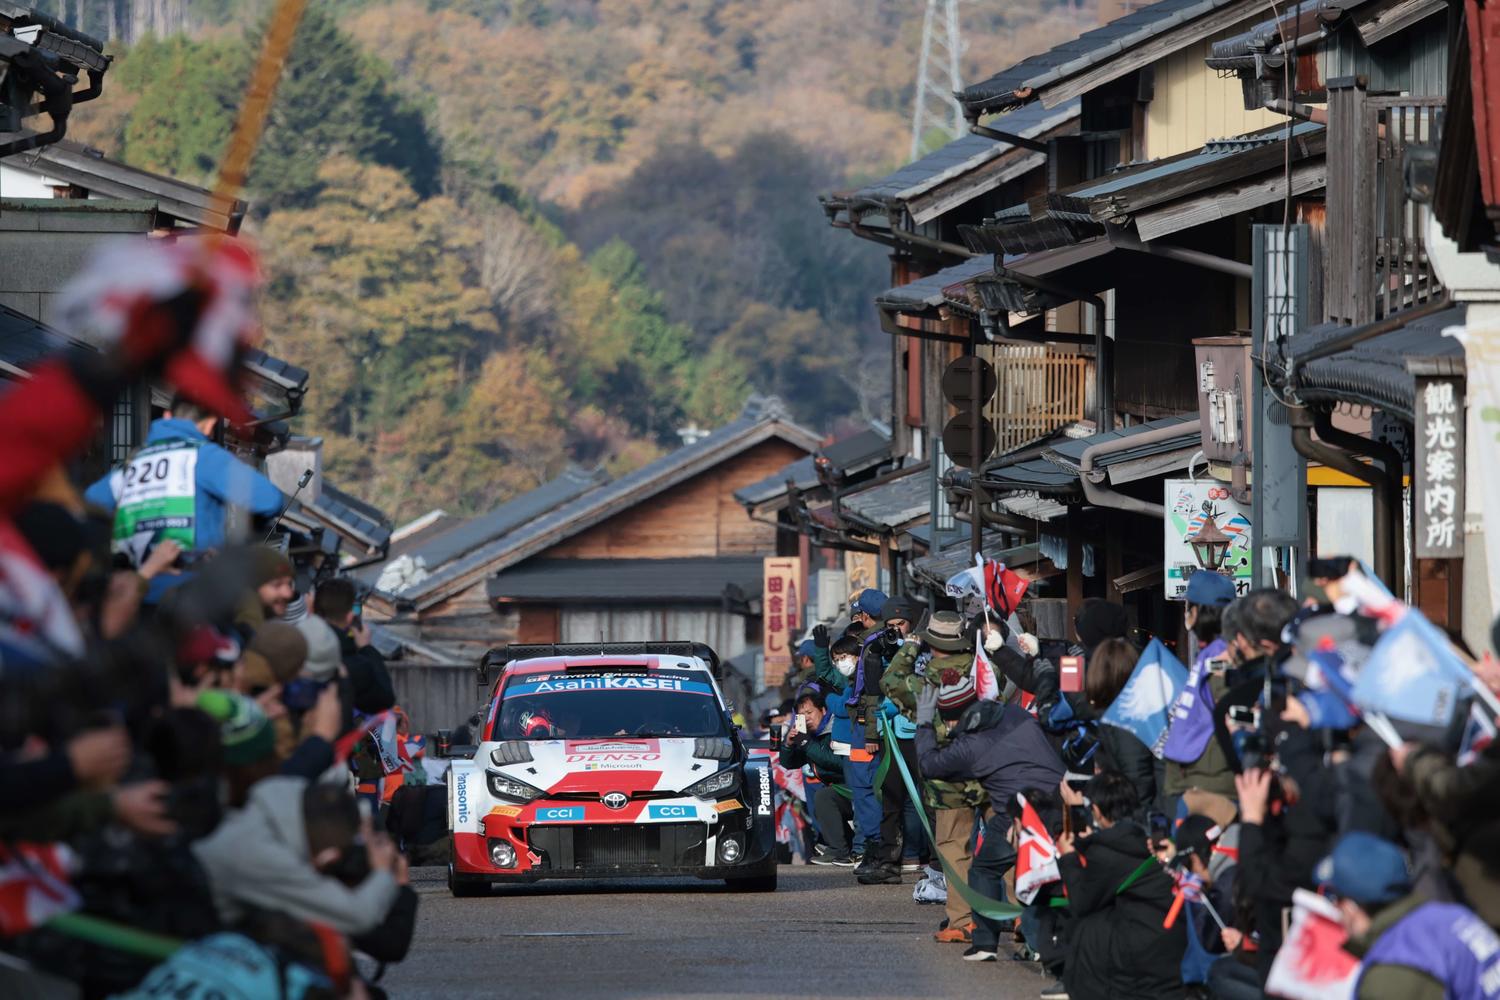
<point>465,888</point>
<point>755,883</point>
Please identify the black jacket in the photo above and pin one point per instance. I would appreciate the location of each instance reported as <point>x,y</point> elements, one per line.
<point>369,680</point>
<point>1119,949</point>
<point>1121,750</point>
<point>999,745</point>
<point>814,750</point>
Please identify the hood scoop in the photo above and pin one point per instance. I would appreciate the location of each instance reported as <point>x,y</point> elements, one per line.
<point>713,748</point>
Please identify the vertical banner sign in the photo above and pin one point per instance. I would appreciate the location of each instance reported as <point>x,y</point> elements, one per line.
<point>1190,503</point>
<point>1438,502</point>
<point>781,614</point>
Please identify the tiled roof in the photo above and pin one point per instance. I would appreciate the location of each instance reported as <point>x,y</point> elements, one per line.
<point>1374,373</point>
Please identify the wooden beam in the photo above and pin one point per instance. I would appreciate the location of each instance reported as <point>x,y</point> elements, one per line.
<point>1213,205</point>
<point>951,194</point>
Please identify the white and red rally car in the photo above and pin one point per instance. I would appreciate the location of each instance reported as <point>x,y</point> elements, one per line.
<point>618,760</point>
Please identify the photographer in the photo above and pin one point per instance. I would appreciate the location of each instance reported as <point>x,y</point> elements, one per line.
<point>209,507</point>
<point>809,745</point>
<point>943,657</point>
<point>882,863</point>
<point>337,603</point>
<point>1004,749</point>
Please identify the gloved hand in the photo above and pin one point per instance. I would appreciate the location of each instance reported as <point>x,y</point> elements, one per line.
<point>927,703</point>
<point>820,637</point>
<point>1028,643</point>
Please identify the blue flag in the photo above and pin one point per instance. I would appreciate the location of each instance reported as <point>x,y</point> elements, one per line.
<point>1143,704</point>
<point>1412,674</point>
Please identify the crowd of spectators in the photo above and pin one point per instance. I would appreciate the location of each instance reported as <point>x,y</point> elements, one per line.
<point>187,723</point>
<point>1165,862</point>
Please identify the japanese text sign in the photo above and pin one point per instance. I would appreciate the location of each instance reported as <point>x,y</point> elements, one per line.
<point>781,613</point>
<point>1438,495</point>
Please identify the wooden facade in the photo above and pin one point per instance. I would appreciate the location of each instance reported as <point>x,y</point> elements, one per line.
<point>698,518</point>
<point>1192,104</point>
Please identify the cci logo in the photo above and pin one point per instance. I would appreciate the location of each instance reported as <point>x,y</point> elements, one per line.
<point>559,814</point>
<point>672,812</point>
<point>615,800</point>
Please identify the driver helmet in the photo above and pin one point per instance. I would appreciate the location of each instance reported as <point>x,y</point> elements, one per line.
<point>536,723</point>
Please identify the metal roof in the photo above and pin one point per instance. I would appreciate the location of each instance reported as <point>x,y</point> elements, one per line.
<point>927,293</point>
<point>1032,475</point>
<point>351,518</point>
<point>897,501</point>
<point>1068,454</point>
<point>845,457</point>
<point>463,555</point>
<point>1085,52</point>
<point>87,168</point>
<point>966,154</point>
<point>1374,373</point>
<point>1068,217</point>
<point>635,581</point>
<point>25,341</point>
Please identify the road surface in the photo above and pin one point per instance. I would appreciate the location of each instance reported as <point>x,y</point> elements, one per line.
<point>819,935</point>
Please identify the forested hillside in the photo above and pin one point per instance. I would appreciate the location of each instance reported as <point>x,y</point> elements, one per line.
<point>507,234</point>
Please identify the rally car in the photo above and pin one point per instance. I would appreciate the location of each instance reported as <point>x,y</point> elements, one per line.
<point>601,761</point>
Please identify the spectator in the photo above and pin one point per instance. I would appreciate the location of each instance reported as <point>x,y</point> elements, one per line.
<point>183,486</point>
<point>289,852</point>
<point>836,664</point>
<point>864,608</point>
<point>943,657</point>
<point>271,579</point>
<point>1118,896</point>
<point>1109,667</point>
<point>1193,757</point>
<point>335,601</point>
<point>1004,749</point>
<point>810,747</point>
<point>1409,947</point>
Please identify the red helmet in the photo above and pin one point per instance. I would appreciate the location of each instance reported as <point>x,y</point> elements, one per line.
<point>536,724</point>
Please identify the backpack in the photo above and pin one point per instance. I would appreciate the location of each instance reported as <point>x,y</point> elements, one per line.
<point>1076,740</point>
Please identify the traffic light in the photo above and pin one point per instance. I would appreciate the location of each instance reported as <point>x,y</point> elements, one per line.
<point>969,437</point>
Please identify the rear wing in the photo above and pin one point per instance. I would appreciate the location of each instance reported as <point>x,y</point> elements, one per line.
<point>498,658</point>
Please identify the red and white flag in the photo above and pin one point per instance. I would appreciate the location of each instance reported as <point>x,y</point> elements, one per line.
<point>986,679</point>
<point>34,886</point>
<point>1036,855</point>
<point>1312,963</point>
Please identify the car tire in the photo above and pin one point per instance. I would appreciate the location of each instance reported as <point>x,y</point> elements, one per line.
<point>754,883</point>
<point>465,888</point>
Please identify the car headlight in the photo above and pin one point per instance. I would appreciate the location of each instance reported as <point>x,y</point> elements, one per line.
<point>716,785</point>
<point>505,787</point>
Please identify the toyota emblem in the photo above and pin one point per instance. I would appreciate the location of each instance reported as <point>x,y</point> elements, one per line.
<point>615,800</point>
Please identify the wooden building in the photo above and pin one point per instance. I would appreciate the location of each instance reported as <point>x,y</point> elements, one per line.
<point>665,551</point>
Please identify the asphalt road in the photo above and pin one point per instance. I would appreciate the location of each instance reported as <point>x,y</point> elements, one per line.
<point>819,935</point>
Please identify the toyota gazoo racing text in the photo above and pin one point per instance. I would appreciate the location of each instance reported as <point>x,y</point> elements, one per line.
<point>610,765</point>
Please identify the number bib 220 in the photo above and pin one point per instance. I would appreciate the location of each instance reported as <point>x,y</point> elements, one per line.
<point>157,497</point>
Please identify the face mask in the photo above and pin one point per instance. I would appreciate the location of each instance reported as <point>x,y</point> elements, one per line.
<point>845,665</point>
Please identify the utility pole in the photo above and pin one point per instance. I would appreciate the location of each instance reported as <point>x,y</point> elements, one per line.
<point>935,106</point>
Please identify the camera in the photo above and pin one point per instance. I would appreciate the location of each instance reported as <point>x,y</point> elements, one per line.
<point>300,694</point>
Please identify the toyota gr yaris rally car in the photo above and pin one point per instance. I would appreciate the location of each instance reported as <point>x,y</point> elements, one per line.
<point>597,765</point>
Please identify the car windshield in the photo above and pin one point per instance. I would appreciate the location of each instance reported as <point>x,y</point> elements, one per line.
<point>581,706</point>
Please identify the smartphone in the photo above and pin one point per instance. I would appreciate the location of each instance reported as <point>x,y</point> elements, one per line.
<point>359,610</point>
<point>1242,714</point>
<point>1218,664</point>
<point>800,724</point>
<point>1070,674</point>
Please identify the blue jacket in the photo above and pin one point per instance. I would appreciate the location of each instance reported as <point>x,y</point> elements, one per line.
<point>221,481</point>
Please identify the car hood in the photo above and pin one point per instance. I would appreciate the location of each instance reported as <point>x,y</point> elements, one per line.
<point>615,764</point>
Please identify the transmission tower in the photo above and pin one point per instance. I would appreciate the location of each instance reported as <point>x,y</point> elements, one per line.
<point>937,76</point>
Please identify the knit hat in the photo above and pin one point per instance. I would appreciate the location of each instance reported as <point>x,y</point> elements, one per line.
<point>904,608</point>
<point>206,644</point>
<point>955,690</point>
<point>267,565</point>
<point>283,647</point>
<point>1098,620</point>
<point>244,730</point>
<point>945,632</point>
<point>1365,868</point>
<point>323,655</point>
<point>1209,589</point>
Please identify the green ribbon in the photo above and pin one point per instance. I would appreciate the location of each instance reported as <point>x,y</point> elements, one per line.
<point>992,909</point>
<point>113,935</point>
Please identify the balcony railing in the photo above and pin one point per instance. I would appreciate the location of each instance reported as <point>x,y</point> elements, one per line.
<point>1374,255</point>
<point>1039,391</point>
